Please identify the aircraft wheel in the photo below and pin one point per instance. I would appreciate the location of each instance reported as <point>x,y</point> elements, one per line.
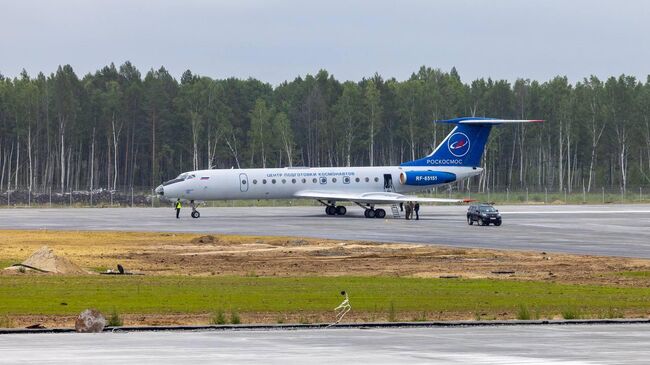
<point>330,210</point>
<point>380,213</point>
<point>370,213</point>
<point>341,210</point>
<point>196,214</point>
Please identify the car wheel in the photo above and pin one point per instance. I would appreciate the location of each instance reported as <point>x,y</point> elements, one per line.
<point>497,223</point>
<point>470,221</point>
<point>481,222</point>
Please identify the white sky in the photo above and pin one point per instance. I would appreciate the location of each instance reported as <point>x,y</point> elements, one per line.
<point>279,40</point>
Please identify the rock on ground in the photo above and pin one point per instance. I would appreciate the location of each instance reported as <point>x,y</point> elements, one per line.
<point>90,321</point>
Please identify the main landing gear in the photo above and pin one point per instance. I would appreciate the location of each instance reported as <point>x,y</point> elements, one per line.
<point>335,210</point>
<point>195,213</point>
<point>374,213</point>
<point>332,209</point>
<point>371,212</point>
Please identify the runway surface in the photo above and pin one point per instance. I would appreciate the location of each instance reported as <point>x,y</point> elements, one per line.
<point>618,230</point>
<point>566,344</point>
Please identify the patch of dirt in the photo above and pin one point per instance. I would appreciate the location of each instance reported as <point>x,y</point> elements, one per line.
<point>191,254</point>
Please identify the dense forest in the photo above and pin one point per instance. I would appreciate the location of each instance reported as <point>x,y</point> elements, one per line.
<point>116,129</point>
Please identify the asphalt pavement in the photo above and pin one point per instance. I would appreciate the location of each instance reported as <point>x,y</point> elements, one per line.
<point>553,344</point>
<point>617,230</point>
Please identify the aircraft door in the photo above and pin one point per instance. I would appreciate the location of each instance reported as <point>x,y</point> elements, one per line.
<point>388,182</point>
<point>243,183</point>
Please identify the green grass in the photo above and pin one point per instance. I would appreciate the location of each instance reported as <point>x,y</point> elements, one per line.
<point>164,294</point>
<point>219,317</point>
<point>114,320</point>
<point>572,312</point>
<point>8,262</point>
<point>523,313</point>
<point>234,317</point>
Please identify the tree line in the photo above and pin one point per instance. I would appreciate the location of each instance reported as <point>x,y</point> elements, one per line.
<point>115,129</point>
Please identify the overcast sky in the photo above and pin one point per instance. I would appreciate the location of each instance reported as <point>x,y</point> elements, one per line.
<point>279,40</point>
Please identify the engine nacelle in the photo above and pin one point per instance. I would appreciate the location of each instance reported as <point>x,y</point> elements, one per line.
<point>426,177</point>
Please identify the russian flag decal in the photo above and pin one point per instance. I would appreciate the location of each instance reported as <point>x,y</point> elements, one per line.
<point>205,177</point>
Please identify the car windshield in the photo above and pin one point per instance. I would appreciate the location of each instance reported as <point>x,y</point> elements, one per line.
<point>488,209</point>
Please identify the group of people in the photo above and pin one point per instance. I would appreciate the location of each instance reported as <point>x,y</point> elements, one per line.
<point>411,207</point>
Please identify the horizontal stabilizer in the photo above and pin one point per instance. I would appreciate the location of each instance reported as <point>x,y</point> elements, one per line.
<point>490,121</point>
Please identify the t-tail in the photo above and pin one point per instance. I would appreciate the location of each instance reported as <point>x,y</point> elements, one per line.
<point>465,144</point>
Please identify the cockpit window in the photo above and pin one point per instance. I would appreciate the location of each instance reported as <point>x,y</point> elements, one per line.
<point>179,178</point>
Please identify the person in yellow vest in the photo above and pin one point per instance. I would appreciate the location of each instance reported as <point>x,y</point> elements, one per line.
<point>178,207</point>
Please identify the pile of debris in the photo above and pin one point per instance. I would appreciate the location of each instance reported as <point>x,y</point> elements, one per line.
<point>206,239</point>
<point>44,260</point>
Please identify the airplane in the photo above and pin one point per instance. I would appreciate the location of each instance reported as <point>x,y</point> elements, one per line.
<point>456,158</point>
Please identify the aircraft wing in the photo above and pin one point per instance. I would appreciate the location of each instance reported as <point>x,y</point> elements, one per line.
<point>380,197</point>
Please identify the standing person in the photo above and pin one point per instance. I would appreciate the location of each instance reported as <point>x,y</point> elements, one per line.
<point>416,209</point>
<point>409,210</point>
<point>178,207</point>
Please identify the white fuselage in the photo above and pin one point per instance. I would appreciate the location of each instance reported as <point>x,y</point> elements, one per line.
<point>284,183</point>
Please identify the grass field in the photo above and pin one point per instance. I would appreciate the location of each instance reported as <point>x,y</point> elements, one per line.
<point>290,280</point>
<point>65,295</point>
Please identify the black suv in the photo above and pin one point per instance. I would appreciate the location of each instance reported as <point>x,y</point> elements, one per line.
<point>484,214</point>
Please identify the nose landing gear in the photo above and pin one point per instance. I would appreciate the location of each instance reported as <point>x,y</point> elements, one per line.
<point>195,213</point>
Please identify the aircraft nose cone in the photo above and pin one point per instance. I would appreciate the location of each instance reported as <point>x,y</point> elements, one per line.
<point>160,190</point>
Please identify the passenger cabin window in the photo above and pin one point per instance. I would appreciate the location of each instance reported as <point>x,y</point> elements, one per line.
<point>357,179</point>
<point>254,181</point>
<point>376,179</point>
<point>264,181</point>
<point>323,180</point>
<point>304,181</point>
<point>273,181</point>
<point>284,181</point>
<point>314,180</point>
<point>346,179</point>
<point>367,179</point>
<point>293,181</point>
<point>333,179</point>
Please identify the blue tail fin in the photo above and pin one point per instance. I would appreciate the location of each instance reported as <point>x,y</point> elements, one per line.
<point>465,144</point>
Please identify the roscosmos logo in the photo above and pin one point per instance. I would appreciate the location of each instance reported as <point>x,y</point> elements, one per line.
<point>458,144</point>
